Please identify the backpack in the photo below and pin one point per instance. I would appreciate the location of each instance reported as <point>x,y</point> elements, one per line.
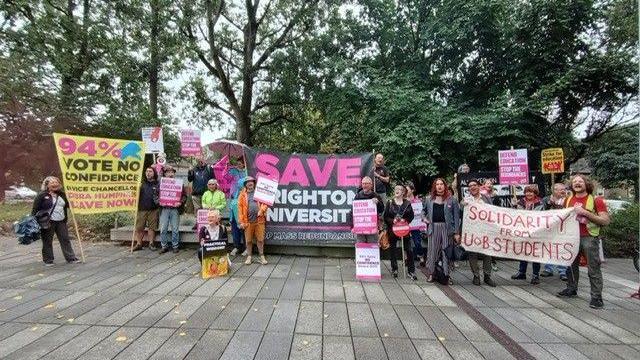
<point>441,272</point>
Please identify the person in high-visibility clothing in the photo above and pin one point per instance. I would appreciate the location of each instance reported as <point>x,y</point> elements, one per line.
<point>592,214</point>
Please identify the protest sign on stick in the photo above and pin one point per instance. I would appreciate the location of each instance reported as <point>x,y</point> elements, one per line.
<point>190,143</point>
<point>99,175</point>
<point>547,237</point>
<point>153,140</point>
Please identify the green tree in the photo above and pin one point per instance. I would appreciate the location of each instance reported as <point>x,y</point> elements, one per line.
<point>614,158</point>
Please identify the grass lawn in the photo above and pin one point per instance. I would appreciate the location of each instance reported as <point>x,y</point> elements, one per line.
<point>12,212</point>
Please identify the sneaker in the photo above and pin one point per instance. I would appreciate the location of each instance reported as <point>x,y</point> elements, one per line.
<point>48,263</point>
<point>164,250</point>
<point>138,247</point>
<point>567,293</point>
<point>263,260</point>
<point>596,304</point>
<point>535,280</point>
<point>519,276</point>
<point>430,279</point>
<point>423,262</point>
<point>73,261</point>
<point>175,251</point>
<point>476,280</point>
<point>234,252</point>
<point>412,276</point>
<point>563,277</point>
<point>489,281</point>
<point>152,246</point>
<point>546,273</point>
<point>248,261</point>
<point>494,267</point>
<point>394,273</point>
<point>245,253</point>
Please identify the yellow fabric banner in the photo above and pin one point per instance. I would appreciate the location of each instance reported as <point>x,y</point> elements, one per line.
<point>100,175</point>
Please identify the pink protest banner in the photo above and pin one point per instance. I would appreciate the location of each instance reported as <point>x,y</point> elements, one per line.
<point>546,237</point>
<point>190,143</point>
<point>266,190</point>
<point>170,192</point>
<point>514,167</point>
<point>365,217</point>
<point>368,262</point>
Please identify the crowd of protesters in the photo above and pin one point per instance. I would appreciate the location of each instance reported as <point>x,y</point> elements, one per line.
<point>441,212</point>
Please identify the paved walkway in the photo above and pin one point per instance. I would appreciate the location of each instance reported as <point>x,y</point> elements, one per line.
<point>119,306</point>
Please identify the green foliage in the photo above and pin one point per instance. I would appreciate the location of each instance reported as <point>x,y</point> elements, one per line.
<point>614,157</point>
<point>98,226</point>
<point>620,237</point>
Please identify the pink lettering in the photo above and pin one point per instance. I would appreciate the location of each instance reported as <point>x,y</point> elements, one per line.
<point>266,165</point>
<point>349,172</point>
<point>321,177</point>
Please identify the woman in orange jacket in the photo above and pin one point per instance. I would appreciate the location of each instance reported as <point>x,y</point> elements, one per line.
<point>253,217</point>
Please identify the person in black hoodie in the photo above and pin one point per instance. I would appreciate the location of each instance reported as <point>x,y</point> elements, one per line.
<point>53,201</point>
<point>199,176</point>
<point>399,208</point>
<point>148,208</point>
<point>367,193</point>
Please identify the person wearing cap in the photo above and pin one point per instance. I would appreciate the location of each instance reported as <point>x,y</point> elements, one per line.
<point>213,198</point>
<point>170,215</point>
<point>253,217</point>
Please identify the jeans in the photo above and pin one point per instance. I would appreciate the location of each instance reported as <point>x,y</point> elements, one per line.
<point>60,229</point>
<point>237,234</point>
<point>169,216</point>
<point>590,246</point>
<point>406,242</point>
<point>562,270</point>
<point>523,268</point>
<point>417,243</point>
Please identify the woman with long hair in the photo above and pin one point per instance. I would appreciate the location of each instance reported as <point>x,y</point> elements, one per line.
<point>442,215</point>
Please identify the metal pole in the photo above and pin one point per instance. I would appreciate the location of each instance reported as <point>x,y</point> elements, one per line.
<point>404,265</point>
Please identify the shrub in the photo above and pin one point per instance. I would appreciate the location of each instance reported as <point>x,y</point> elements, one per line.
<point>98,226</point>
<point>620,237</point>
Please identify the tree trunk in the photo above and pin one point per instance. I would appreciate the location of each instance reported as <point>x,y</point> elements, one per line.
<point>243,129</point>
<point>153,66</point>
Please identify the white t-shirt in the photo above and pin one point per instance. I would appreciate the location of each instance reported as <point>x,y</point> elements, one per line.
<point>58,211</point>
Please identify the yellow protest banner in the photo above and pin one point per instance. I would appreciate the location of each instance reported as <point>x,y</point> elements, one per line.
<point>100,175</point>
<point>552,161</point>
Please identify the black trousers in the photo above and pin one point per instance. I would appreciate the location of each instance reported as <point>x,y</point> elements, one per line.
<point>60,229</point>
<point>408,248</point>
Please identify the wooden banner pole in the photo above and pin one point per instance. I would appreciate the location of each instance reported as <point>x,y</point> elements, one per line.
<point>75,225</point>
<point>133,233</point>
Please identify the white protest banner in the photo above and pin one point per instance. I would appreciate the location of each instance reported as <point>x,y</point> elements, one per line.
<point>547,237</point>
<point>170,192</point>
<point>266,190</point>
<point>368,261</point>
<point>365,217</point>
<point>514,167</point>
<point>417,223</point>
<point>190,143</point>
<point>153,140</point>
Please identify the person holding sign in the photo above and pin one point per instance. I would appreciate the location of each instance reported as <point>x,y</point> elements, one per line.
<point>148,208</point>
<point>442,214</point>
<point>399,209</point>
<point>171,201</point>
<point>213,231</point>
<point>253,217</point>
<point>50,209</point>
<point>476,197</point>
<point>530,201</point>
<point>367,193</point>
<point>592,214</point>
<point>213,198</point>
<point>417,225</point>
<point>552,202</point>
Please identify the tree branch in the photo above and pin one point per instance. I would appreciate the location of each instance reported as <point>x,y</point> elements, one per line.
<point>276,119</point>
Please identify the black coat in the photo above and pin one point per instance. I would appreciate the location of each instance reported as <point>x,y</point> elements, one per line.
<point>392,210</point>
<point>204,234</point>
<point>44,201</point>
